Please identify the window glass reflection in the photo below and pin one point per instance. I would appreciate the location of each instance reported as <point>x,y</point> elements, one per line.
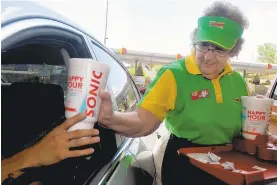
<point>119,82</point>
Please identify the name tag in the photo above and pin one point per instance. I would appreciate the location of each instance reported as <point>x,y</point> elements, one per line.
<point>200,94</point>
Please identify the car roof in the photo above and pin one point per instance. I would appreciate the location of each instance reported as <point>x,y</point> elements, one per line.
<point>12,11</point>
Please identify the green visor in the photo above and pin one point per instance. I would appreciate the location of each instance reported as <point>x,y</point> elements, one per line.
<point>220,31</point>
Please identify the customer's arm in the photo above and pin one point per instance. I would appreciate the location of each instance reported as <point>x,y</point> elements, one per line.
<point>53,148</point>
<point>158,100</point>
<point>12,166</point>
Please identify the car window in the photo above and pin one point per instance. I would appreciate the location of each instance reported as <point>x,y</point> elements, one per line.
<point>121,86</point>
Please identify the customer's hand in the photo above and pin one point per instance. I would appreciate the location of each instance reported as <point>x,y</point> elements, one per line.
<point>54,147</point>
<point>106,109</point>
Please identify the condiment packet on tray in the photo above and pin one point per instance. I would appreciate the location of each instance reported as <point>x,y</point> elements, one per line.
<point>213,157</point>
<point>228,166</point>
<point>259,168</point>
<point>205,157</point>
<point>201,157</point>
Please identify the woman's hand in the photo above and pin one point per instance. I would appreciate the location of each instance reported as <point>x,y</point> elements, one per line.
<point>54,147</point>
<point>106,109</point>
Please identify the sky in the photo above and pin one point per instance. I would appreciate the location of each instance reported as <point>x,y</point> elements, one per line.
<point>163,26</point>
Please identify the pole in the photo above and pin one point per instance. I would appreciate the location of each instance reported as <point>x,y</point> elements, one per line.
<point>244,73</point>
<point>106,26</point>
<point>136,65</point>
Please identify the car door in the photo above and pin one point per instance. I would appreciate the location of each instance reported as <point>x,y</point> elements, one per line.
<point>136,165</point>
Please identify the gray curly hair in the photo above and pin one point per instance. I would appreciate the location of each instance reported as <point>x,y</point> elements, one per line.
<point>224,9</point>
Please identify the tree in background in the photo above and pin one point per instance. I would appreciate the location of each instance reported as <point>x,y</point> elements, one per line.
<point>256,79</point>
<point>267,53</point>
<point>139,71</point>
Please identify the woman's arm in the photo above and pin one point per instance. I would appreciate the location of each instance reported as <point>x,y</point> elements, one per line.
<point>133,124</point>
<point>159,99</point>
